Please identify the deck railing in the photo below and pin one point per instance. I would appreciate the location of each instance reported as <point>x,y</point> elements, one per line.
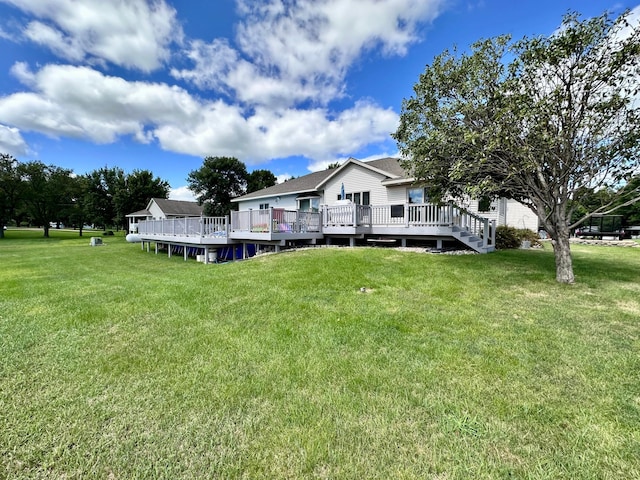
<point>186,227</point>
<point>410,215</point>
<point>275,220</point>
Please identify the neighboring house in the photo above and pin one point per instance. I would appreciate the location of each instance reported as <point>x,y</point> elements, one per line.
<point>162,208</point>
<point>374,201</point>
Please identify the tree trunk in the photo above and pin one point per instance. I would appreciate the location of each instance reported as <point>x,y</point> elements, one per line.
<point>46,231</point>
<point>564,264</point>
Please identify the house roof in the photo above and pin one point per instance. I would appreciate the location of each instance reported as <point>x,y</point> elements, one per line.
<point>390,167</point>
<point>139,213</point>
<point>306,183</point>
<point>180,208</point>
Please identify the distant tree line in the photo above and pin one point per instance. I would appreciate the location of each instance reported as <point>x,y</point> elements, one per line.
<point>39,195</point>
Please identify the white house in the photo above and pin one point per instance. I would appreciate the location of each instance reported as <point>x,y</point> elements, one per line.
<point>376,183</point>
<point>162,208</point>
<point>373,201</point>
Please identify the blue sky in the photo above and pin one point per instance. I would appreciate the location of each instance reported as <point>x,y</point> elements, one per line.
<point>286,85</point>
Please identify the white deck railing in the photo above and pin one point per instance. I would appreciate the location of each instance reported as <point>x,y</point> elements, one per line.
<point>186,227</point>
<point>410,215</point>
<point>275,220</point>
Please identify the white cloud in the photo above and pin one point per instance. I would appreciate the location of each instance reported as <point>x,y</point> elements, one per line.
<point>133,33</point>
<point>81,102</point>
<point>182,193</point>
<point>11,142</point>
<point>298,51</point>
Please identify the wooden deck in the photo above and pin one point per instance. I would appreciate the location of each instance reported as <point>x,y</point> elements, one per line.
<point>279,226</point>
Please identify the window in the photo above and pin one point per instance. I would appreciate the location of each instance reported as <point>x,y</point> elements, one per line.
<point>311,204</point>
<point>417,195</point>
<point>264,206</point>
<point>484,204</point>
<point>359,198</point>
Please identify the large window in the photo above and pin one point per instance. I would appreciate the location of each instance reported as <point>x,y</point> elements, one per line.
<point>417,195</point>
<point>359,198</point>
<point>310,204</point>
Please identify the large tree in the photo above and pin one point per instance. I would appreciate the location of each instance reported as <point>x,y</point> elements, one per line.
<point>218,181</point>
<point>47,192</point>
<point>538,120</point>
<point>102,187</point>
<point>259,179</point>
<point>135,191</point>
<point>10,189</point>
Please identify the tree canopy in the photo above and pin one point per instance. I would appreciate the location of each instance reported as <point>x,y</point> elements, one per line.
<point>540,120</point>
<point>259,179</point>
<point>218,181</point>
<point>43,194</point>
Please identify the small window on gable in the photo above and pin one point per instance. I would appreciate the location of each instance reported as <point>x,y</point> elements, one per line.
<point>484,204</point>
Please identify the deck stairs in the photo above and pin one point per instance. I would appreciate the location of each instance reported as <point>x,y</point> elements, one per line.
<point>472,241</point>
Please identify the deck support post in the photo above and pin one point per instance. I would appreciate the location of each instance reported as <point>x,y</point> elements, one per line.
<point>403,242</point>
<point>185,251</point>
<point>244,251</point>
<point>352,242</point>
<point>206,255</point>
<point>439,244</point>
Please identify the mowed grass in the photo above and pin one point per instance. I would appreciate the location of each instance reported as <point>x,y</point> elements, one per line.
<point>116,363</point>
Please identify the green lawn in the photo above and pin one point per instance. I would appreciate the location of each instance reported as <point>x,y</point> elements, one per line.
<point>117,364</point>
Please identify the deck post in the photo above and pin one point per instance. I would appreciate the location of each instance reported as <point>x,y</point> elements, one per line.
<point>352,242</point>
<point>403,242</point>
<point>227,225</point>
<point>406,215</point>
<point>168,249</point>
<point>355,214</point>
<point>439,244</point>
<point>184,248</point>
<point>271,219</point>
<point>244,251</point>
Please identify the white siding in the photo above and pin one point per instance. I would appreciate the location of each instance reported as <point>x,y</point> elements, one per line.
<point>155,211</point>
<point>397,195</point>
<point>520,216</point>
<point>356,179</point>
<point>287,202</point>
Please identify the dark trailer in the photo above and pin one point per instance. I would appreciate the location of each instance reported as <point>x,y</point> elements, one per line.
<point>599,226</point>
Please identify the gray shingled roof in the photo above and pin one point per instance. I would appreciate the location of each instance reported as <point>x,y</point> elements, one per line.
<point>306,183</point>
<point>139,213</point>
<point>180,208</point>
<point>389,164</point>
<point>309,183</point>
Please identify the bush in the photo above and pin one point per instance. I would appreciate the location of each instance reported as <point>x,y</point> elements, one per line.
<point>511,237</point>
<point>507,237</point>
<point>108,233</point>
